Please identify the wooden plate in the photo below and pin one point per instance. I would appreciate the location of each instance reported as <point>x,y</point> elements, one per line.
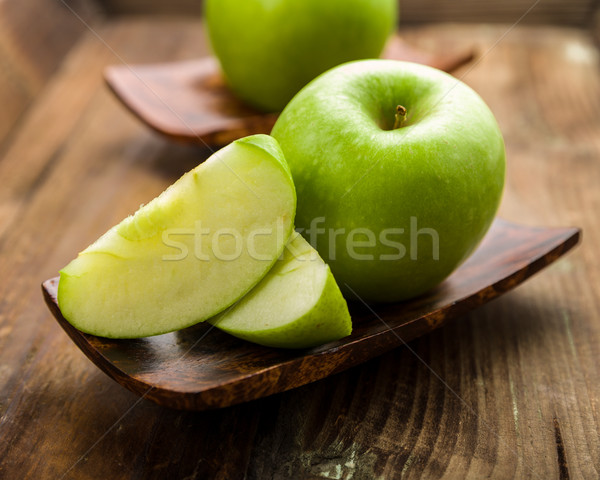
<point>188,101</point>
<point>200,367</point>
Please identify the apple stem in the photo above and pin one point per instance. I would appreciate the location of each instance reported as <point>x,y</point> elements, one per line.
<point>400,116</point>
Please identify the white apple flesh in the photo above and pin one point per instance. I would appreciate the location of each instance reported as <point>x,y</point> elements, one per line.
<point>298,304</point>
<point>189,253</point>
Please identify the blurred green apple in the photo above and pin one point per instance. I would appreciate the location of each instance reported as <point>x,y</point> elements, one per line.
<point>399,170</point>
<point>189,253</point>
<point>297,305</point>
<point>270,49</point>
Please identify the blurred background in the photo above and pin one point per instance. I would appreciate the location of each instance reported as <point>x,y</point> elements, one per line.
<point>564,12</point>
<point>27,60</point>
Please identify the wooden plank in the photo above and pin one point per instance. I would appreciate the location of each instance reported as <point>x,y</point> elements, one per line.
<point>559,12</point>
<point>34,37</point>
<point>88,150</point>
<point>520,396</point>
<point>174,7</point>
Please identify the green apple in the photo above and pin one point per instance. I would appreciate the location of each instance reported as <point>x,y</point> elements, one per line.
<point>269,49</point>
<point>189,253</point>
<point>296,305</point>
<point>399,170</point>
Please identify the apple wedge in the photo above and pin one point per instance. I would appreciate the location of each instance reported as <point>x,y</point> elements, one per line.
<point>296,305</point>
<point>189,253</point>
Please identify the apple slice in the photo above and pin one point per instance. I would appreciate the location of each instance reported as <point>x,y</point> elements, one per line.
<point>189,253</point>
<point>298,304</point>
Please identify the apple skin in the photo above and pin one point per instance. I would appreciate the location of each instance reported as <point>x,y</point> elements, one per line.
<point>270,49</point>
<point>443,170</point>
<point>297,305</point>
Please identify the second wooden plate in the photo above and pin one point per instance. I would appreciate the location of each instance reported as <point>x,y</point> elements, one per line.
<point>188,101</point>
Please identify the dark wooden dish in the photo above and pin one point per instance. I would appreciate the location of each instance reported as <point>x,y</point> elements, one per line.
<point>188,101</point>
<point>201,367</point>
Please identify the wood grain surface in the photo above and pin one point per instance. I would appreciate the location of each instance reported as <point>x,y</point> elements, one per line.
<point>28,59</point>
<point>510,390</point>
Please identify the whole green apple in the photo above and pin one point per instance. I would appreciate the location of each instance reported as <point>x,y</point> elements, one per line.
<point>399,170</point>
<point>270,49</point>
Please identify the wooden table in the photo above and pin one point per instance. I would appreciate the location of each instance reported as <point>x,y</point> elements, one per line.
<point>511,390</point>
